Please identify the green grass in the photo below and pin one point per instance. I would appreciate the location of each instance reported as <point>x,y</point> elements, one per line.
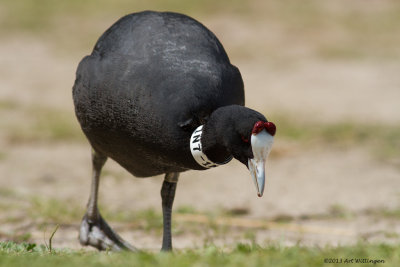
<point>382,140</point>
<point>334,133</point>
<point>384,213</point>
<point>7,104</point>
<point>24,254</point>
<point>55,211</point>
<point>38,15</point>
<point>335,211</point>
<point>32,124</point>
<point>57,125</point>
<point>333,30</point>
<point>185,209</point>
<point>146,219</point>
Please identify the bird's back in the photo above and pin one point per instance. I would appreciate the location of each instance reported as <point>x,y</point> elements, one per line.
<point>148,75</point>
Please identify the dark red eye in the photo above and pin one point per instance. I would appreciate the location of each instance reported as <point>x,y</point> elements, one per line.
<point>244,139</point>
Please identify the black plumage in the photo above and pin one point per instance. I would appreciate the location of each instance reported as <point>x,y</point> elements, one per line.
<point>151,79</point>
<point>148,75</point>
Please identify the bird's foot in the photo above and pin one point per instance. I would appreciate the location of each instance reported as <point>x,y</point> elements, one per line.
<point>98,234</point>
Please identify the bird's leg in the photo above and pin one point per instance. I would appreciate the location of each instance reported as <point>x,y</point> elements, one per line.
<point>94,230</point>
<point>167,196</point>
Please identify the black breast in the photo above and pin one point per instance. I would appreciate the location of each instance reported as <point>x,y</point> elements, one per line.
<point>149,73</point>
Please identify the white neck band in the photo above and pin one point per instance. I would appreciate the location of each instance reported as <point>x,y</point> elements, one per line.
<point>197,151</point>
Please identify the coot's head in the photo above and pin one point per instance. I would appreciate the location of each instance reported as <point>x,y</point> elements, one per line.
<point>246,135</point>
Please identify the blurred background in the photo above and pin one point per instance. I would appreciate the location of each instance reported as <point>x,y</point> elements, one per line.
<point>326,72</point>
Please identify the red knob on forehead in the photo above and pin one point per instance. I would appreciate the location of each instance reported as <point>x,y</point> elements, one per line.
<point>258,127</point>
<point>270,127</point>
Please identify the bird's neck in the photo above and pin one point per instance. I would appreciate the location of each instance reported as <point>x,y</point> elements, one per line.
<point>213,157</point>
<point>217,153</point>
<point>212,147</point>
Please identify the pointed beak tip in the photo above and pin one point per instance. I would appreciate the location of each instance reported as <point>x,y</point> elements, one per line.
<point>261,145</point>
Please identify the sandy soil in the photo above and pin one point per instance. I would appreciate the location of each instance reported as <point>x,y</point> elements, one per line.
<point>302,185</point>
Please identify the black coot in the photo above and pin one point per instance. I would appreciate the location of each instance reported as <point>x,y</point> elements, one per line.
<point>159,95</point>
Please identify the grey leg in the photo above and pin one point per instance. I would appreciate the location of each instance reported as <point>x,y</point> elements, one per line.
<point>94,230</point>
<point>167,196</point>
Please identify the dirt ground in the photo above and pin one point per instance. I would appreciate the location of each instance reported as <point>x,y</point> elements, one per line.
<point>314,195</point>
